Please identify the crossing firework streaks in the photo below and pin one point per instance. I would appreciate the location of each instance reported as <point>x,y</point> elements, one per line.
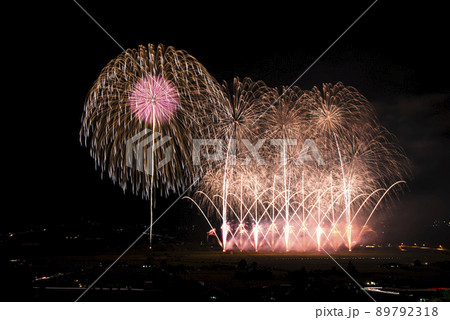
<point>302,169</point>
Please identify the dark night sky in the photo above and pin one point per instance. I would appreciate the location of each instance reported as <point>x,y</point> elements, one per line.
<point>396,55</point>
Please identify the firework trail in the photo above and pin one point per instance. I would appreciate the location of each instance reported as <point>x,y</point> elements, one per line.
<point>241,104</point>
<point>284,126</point>
<point>343,122</point>
<point>287,204</point>
<point>154,89</point>
<point>267,192</point>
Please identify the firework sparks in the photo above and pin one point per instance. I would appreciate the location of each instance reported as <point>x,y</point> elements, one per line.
<point>153,99</point>
<point>290,205</point>
<point>152,89</point>
<point>279,203</point>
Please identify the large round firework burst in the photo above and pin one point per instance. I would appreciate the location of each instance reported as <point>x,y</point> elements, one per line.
<point>344,125</point>
<point>285,129</point>
<point>149,91</point>
<point>243,102</point>
<point>141,117</point>
<point>337,110</point>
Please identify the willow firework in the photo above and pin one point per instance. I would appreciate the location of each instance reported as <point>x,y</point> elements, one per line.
<point>157,90</point>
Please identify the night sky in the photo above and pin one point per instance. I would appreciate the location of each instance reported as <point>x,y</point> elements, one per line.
<point>396,55</point>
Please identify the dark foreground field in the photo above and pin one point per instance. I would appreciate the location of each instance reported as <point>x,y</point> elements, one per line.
<point>183,273</point>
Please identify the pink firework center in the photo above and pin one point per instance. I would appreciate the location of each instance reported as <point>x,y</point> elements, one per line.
<point>154,98</point>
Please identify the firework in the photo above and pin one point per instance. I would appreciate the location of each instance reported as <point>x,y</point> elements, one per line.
<point>291,205</point>
<point>301,169</point>
<point>157,90</point>
<point>234,123</point>
<point>153,99</point>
